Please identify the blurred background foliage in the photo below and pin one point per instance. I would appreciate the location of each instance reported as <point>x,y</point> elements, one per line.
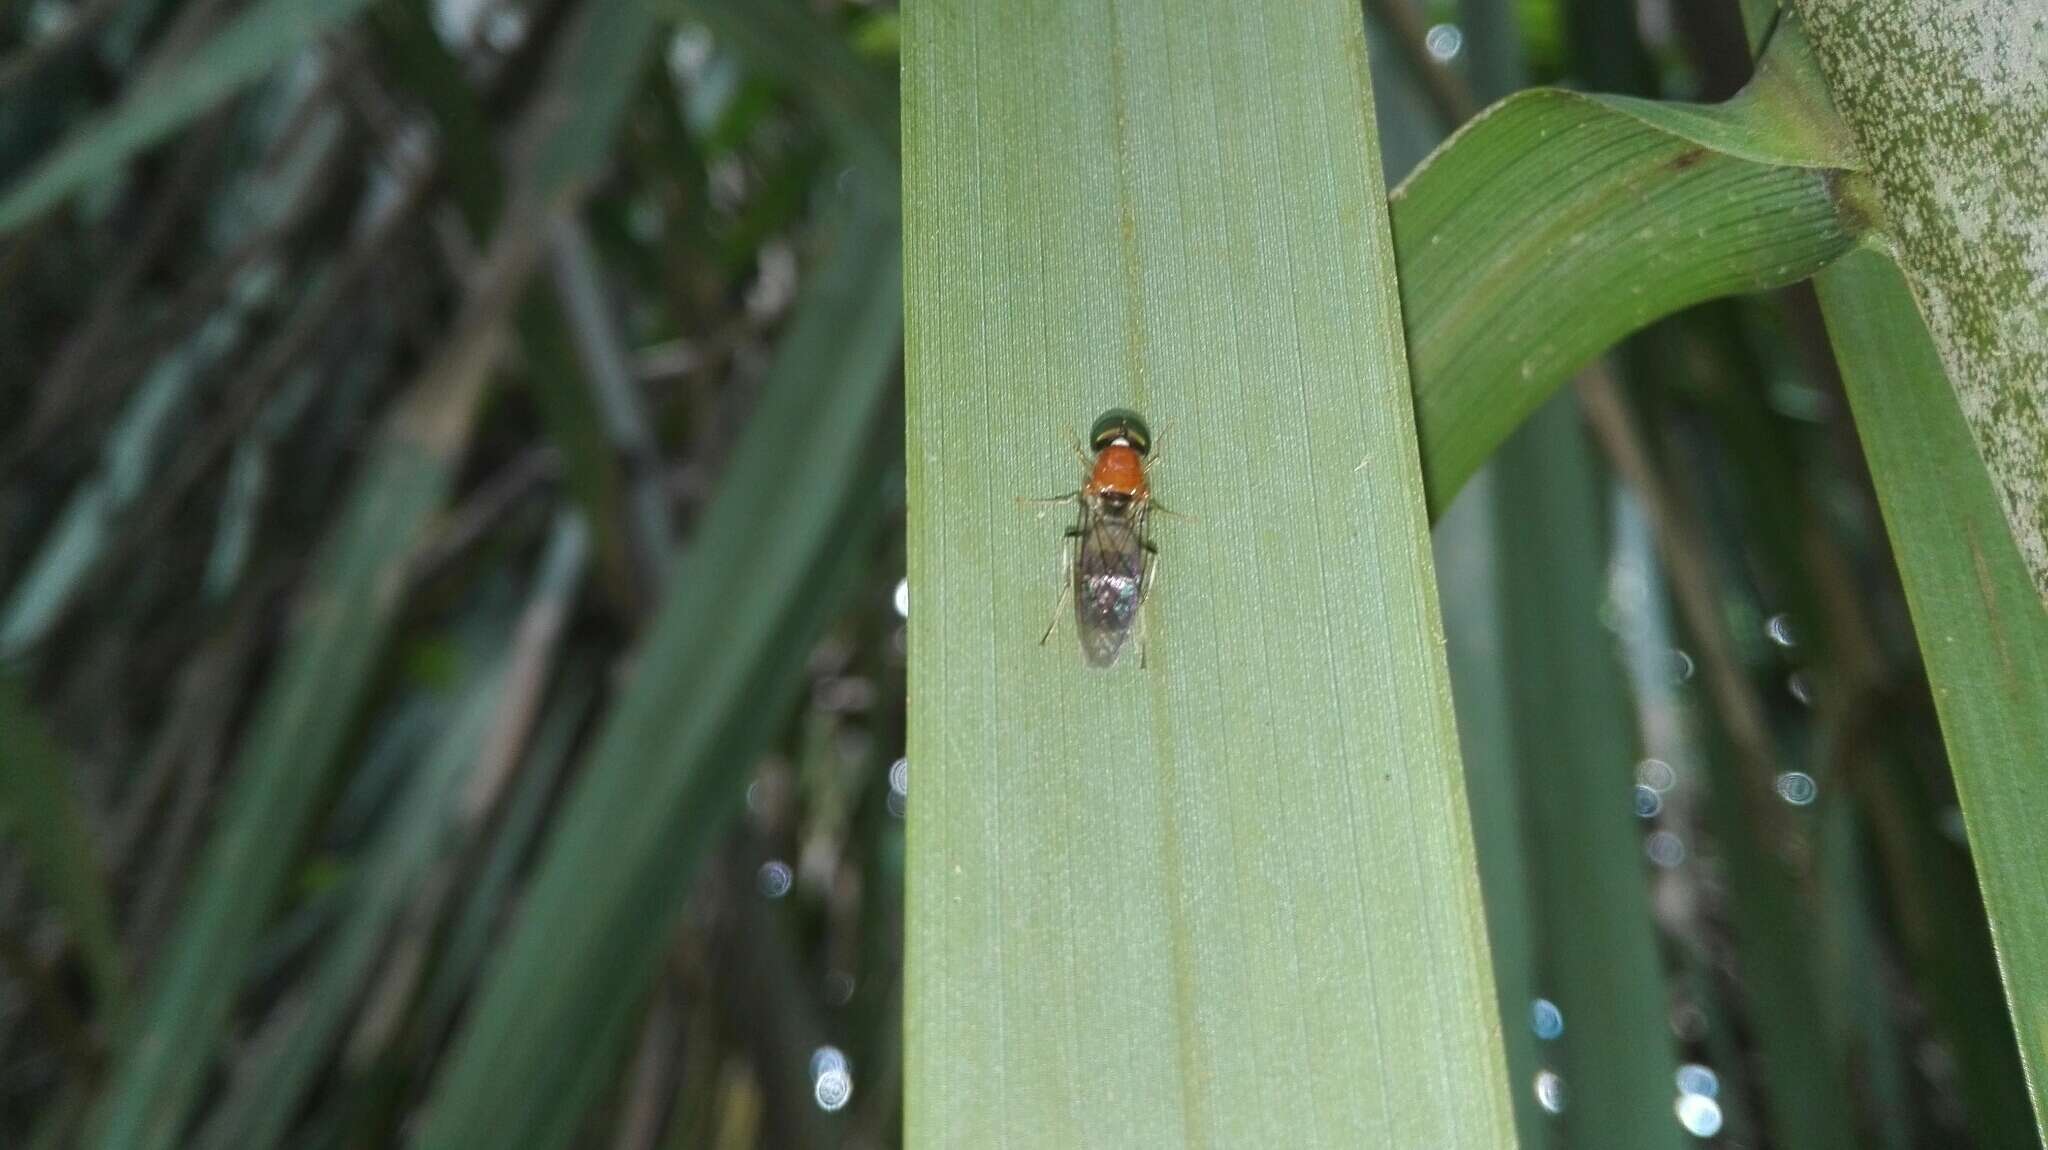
<point>450,519</point>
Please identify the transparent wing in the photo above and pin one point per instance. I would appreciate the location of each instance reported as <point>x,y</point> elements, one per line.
<point>1109,581</point>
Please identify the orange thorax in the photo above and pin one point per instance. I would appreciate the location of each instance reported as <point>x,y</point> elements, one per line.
<point>1119,470</point>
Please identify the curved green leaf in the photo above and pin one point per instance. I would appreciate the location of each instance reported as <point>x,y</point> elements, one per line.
<point>1556,223</point>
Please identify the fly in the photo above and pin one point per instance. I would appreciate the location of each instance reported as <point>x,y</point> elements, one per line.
<point>1107,557</point>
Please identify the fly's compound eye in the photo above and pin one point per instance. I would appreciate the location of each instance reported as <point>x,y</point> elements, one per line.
<point>1120,423</point>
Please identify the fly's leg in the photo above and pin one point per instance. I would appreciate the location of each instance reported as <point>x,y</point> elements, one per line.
<point>1153,461</point>
<point>1066,584</point>
<point>1080,452</point>
<point>1153,456</point>
<point>1087,464</point>
<point>1051,500</point>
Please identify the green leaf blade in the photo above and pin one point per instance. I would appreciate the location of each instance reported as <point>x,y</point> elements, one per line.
<point>1228,897</point>
<point>1574,767</point>
<point>1983,632</point>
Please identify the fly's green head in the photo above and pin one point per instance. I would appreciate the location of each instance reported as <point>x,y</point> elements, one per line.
<point>1120,423</point>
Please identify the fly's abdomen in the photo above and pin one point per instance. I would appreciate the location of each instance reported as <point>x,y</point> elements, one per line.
<point>1109,586</point>
<point>1107,606</point>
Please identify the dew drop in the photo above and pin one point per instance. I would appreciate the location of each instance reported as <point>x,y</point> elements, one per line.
<point>1797,788</point>
<point>831,1079</point>
<point>1699,1114</point>
<point>1800,685</point>
<point>1648,802</point>
<point>839,988</point>
<point>1694,1078</point>
<point>1779,628</point>
<point>826,1059</point>
<point>1665,849</point>
<point>1950,820</point>
<point>1656,774</point>
<point>833,1090</point>
<point>1444,42</point>
<point>1550,1091</point>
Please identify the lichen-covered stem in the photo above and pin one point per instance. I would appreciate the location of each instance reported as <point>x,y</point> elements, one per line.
<point>1949,103</point>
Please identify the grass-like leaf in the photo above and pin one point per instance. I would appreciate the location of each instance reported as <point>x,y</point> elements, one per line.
<point>39,810</point>
<point>561,387</point>
<point>1947,941</point>
<point>309,704</point>
<point>1575,749</point>
<point>1475,589</point>
<point>1985,647</point>
<point>469,935</point>
<point>1496,292</point>
<point>279,774</point>
<point>1566,849</point>
<point>259,1109</point>
<point>1983,630</point>
<point>1227,897</point>
<point>93,516</point>
<point>395,865</point>
<point>779,38</point>
<point>242,53</point>
<point>742,610</point>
